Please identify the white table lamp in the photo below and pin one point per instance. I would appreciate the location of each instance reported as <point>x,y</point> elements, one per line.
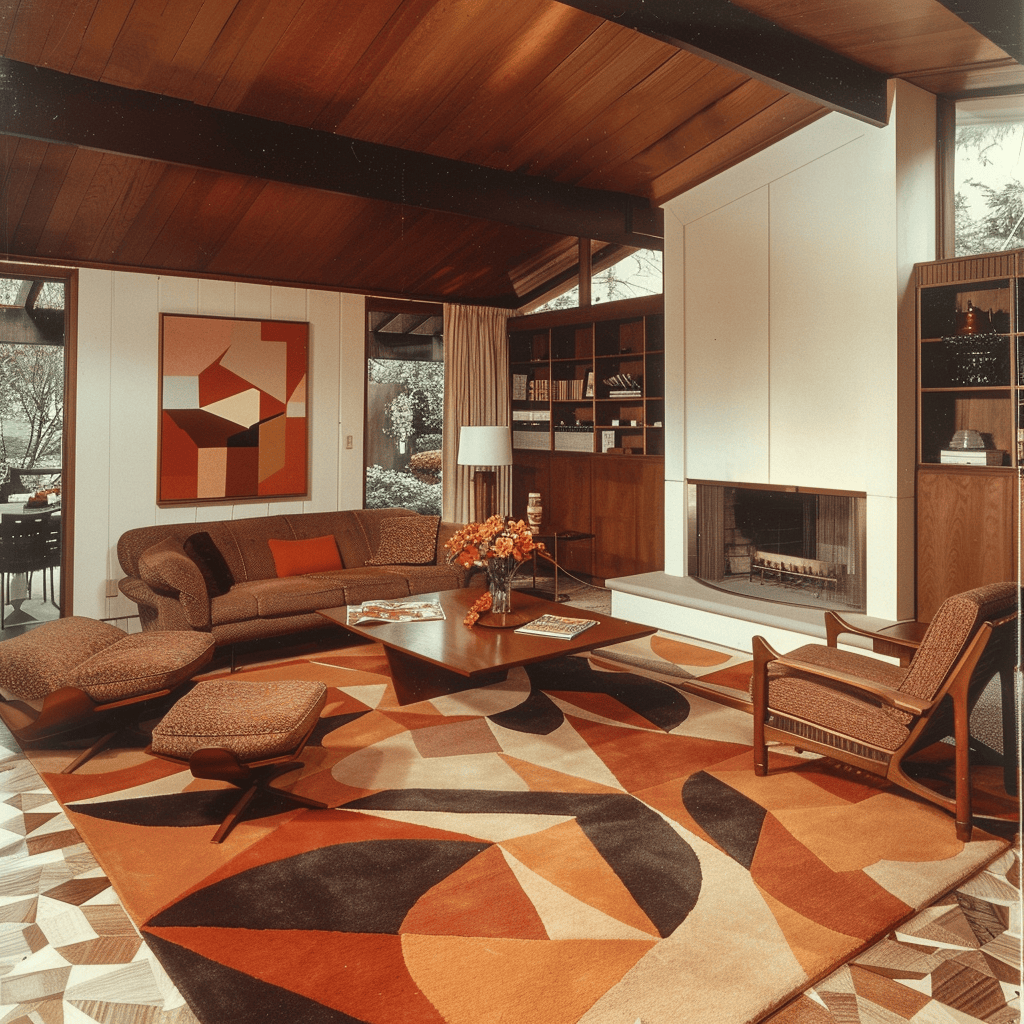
<point>485,447</point>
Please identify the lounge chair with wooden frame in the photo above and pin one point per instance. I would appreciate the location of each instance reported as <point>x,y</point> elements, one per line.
<point>872,714</point>
<point>75,677</point>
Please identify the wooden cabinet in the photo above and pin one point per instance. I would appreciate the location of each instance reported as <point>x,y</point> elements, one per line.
<point>572,428</point>
<point>970,389</point>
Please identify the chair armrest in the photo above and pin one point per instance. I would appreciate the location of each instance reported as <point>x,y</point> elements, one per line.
<point>835,626</point>
<point>886,694</point>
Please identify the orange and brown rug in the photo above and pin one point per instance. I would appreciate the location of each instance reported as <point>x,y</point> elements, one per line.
<point>575,844</point>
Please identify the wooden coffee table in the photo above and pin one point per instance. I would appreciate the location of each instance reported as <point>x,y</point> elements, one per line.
<point>442,656</point>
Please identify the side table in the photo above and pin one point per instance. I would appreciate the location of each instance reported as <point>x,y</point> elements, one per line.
<point>551,540</point>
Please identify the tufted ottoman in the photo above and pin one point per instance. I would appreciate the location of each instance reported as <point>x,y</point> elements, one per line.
<point>242,732</point>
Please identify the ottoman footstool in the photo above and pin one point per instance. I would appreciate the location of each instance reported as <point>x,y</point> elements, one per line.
<point>246,733</point>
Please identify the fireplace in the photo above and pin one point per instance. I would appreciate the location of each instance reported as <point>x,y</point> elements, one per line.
<point>792,545</point>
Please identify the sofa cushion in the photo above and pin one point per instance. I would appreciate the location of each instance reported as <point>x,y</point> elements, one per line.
<point>297,557</point>
<point>292,595</point>
<point>407,540</point>
<point>216,574</point>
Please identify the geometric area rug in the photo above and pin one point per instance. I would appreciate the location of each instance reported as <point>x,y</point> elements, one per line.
<point>579,844</point>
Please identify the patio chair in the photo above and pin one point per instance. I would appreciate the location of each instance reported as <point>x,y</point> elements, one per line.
<point>872,714</point>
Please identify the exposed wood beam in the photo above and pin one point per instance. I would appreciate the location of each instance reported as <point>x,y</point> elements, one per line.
<point>50,106</point>
<point>736,38</point>
<point>1001,21</point>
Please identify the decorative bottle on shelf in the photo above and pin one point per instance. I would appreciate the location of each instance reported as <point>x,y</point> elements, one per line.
<point>534,511</point>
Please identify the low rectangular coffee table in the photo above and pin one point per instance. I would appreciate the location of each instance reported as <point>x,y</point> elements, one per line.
<point>441,656</point>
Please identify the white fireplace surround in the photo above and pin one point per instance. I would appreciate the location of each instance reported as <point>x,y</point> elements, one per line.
<point>789,353</point>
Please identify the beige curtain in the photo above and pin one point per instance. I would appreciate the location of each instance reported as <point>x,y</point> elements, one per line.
<point>475,394</point>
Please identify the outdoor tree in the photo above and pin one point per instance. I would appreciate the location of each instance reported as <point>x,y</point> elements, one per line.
<point>32,395</point>
<point>989,214</point>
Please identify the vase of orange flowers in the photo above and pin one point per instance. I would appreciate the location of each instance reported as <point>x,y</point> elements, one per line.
<point>499,546</point>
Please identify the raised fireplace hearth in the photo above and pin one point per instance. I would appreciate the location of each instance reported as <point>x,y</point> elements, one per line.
<point>792,545</point>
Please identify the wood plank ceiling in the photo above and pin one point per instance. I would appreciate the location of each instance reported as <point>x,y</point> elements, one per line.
<point>551,96</point>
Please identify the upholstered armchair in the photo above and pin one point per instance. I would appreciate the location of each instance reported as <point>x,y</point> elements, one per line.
<point>872,714</point>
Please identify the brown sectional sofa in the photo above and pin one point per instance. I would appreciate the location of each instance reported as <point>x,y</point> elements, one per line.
<point>234,591</point>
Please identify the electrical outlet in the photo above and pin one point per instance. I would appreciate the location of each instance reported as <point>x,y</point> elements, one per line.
<point>112,588</point>
<point>348,440</point>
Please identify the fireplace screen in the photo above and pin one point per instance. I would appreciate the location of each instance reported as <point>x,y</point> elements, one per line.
<point>790,545</point>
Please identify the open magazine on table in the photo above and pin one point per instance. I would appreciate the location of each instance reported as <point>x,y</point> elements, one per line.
<point>394,611</point>
<point>560,627</point>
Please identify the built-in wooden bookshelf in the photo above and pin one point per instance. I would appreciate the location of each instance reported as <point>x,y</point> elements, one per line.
<point>590,380</point>
<point>588,407</point>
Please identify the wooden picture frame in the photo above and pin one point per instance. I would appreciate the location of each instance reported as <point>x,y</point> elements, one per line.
<point>233,403</point>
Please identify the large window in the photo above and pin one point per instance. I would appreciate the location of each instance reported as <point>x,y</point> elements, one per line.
<point>988,174</point>
<point>635,275</point>
<point>404,405</point>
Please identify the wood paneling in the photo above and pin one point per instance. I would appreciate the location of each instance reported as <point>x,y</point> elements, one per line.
<point>533,87</point>
<point>967,532</point>
<point>628,495</point>
<point>620,499</point>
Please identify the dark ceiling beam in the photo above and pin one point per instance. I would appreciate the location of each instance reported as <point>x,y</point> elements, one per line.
<point>746,42</point>
<point>1001,21</point>
<point>50,106</point>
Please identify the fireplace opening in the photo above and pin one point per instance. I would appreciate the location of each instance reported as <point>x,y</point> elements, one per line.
<point>785,544</point>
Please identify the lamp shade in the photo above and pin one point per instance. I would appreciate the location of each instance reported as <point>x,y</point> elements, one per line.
<point>485,446</point>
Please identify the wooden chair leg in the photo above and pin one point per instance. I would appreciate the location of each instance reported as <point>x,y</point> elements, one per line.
<point>235,814</point>
<point>962,738</point>
<point>99,745</point>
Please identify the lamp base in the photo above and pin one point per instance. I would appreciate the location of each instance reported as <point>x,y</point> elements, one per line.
<point>485,493</point>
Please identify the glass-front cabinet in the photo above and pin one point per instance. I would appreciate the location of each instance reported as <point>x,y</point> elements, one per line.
<point>970,437</point>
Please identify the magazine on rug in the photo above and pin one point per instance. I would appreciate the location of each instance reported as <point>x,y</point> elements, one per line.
<point>394,611</point>
<point>558,626</point>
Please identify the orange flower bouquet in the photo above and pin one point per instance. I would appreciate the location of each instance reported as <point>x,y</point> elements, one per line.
<point>500,546</point>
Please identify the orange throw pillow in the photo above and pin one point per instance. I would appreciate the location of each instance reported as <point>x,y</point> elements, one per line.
<point>297,557</point>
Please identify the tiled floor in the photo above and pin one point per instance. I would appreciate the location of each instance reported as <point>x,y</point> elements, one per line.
<point>70,955</point>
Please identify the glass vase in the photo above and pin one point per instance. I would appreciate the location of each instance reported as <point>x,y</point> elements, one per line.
<point>500,572</point>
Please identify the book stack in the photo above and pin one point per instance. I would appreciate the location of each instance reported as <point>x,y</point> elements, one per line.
<point>519,386</point>
<point>623,385</point>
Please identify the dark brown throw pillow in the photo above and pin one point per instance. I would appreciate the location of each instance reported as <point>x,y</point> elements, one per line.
<point>407,540</point>
<point>201,549</point>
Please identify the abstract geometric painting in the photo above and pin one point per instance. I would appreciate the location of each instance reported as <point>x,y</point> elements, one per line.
<point>232,409</point>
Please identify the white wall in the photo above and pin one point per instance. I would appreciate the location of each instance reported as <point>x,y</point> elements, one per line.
<point>790,325</point>
<point>116,421</point>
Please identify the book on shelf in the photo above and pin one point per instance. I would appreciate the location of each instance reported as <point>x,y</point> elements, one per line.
<point>624,394</point>
<point>394,611</point>
<point>560,627</point>
<point>588,391</point>
<point>519,385</point>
